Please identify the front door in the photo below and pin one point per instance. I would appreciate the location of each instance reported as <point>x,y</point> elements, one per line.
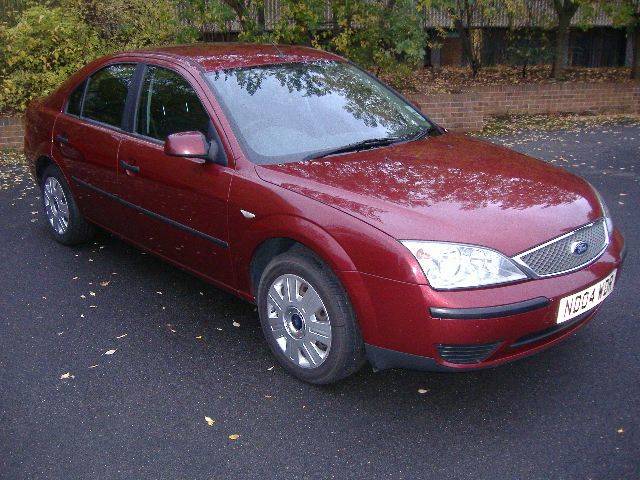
<point>178,208</point>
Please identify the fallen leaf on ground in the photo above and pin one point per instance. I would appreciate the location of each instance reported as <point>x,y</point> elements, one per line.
<point>620,430</point>
<point>122,336</point>
<point>210,421</point>
<point>236,324</point>
<point>199,337</point>
<point>64,376</point>
<point>93,366</point>
<point>110,352</point>
<point>422,391</point>
<point>234,436</point>
<point>104,284</point>
<point>93,294</point>
<point>270,368</point>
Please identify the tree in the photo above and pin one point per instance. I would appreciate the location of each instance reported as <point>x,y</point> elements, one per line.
<point>565,10</point>
<point>626,13</point>
<point>464,13</point>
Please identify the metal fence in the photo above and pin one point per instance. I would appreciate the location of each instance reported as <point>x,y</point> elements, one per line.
<point>540,14</point>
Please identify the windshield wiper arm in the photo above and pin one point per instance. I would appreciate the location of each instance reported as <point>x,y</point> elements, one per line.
<point>354,147</point>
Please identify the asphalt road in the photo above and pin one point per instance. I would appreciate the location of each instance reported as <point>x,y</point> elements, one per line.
<point>571,412</point>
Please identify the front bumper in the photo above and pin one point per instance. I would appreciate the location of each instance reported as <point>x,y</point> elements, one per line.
<point>480,328</point>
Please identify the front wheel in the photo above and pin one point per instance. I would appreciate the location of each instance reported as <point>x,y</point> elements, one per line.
<point>307,318</point>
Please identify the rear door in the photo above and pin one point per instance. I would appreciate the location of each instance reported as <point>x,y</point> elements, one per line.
<point>178,207</point>
<point>87,136</point>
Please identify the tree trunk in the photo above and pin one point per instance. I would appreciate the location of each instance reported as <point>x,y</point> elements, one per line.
<point>561,57</point>
<point>467,47</point>
<point>261,20</point>
<point>635,64</point>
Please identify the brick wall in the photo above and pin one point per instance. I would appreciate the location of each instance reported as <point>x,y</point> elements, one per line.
<point>11,132</point>
<point>468,111</point>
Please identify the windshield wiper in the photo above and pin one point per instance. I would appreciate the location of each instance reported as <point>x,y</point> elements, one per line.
<point>423,132</point>
<point>354,147</point>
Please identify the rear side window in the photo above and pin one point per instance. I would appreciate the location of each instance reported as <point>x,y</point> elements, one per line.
<point>107,94</point>
<point>74,106</point>
<point>168,104</point>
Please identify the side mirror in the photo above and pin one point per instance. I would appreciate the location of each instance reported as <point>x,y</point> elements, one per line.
<point>190,145</point>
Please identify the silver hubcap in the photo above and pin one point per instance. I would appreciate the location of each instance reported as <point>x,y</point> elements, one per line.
<point>55,205</point>
<point>299,321</point>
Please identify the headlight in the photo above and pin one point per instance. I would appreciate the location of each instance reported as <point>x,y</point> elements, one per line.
<point>452,265</point>
<point>605,211</point>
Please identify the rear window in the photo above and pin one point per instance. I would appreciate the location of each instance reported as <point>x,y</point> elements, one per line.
<point>107,94</point>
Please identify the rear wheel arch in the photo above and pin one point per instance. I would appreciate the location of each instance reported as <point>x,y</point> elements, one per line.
<point>41,165</point>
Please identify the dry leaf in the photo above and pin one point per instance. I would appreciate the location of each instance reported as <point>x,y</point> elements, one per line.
<point>270,368</point>
<point>234,436</point>
<point>104,284</point>
<point>199,337</point>
<point>210,421</point>
<point>110,352</point>
<point>236,324</point>
<point>93,294</point>
<point>64,376</point>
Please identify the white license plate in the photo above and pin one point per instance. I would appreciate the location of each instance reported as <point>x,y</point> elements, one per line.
<point>578,303</point>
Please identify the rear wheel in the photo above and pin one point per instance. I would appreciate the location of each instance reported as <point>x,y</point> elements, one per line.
<point>66,223</point>
<point>307,319</point>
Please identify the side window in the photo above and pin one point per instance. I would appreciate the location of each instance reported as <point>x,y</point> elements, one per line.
<point>107,94</point>
<point>168,104</point>
<point>74,106</point>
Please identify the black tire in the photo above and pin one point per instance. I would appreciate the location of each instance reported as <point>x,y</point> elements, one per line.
<point>78,229</point>
<point>346,354</point>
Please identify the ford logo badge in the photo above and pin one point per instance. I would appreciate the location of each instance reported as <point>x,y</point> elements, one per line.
<point>578,248</point>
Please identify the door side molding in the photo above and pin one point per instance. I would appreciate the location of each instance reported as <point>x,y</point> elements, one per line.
<point>154,215</point>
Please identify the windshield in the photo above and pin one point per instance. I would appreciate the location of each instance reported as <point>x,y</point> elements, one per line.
<point>293,111</point>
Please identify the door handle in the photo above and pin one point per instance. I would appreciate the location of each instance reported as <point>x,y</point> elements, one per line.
<point>129,167</point>
<point>62,139</point>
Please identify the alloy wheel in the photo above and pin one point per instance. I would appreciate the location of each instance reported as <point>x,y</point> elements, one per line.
<point>299,321</point>
<point>56,206</point>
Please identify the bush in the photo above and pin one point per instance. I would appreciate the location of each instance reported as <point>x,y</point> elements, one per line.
<point>131,24</point>
<point>49,43</point>
<point>41,51</point>
<point>381,35</point>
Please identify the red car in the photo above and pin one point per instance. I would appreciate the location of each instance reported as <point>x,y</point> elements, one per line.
<point>360,228</point>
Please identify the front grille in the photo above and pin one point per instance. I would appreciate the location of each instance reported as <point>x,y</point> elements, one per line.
<point>466,353</point>
<point>556,256</point>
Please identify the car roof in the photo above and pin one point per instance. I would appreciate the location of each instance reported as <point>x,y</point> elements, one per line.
<point>218,56</point>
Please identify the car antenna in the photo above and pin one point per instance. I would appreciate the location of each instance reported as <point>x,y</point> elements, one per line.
<point>277,49</point>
